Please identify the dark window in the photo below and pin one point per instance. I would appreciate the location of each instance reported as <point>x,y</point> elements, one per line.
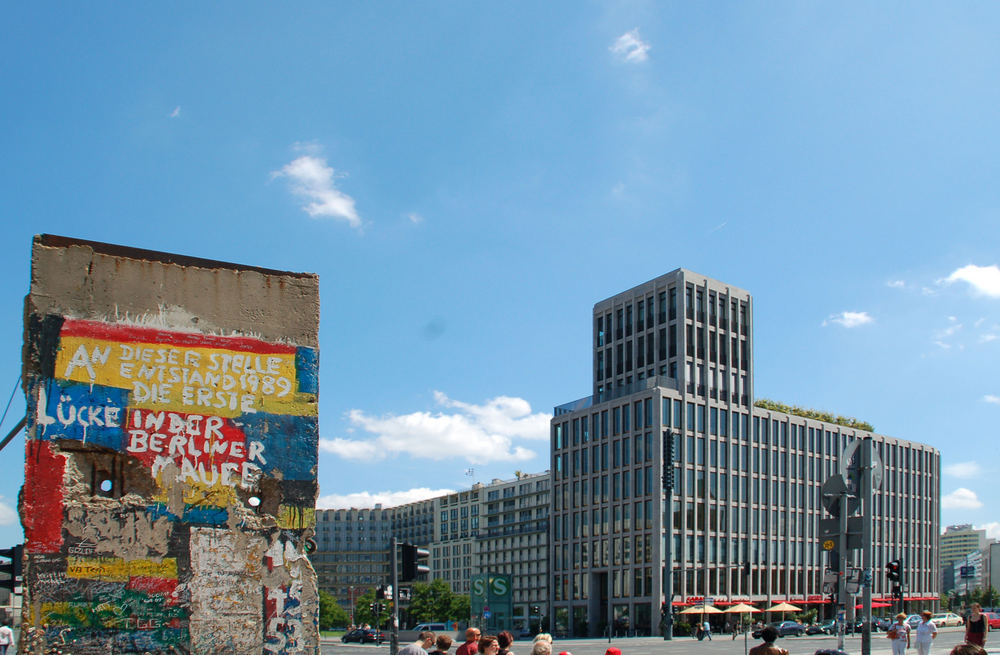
<point>619,323</point>
<point>628,356</point>
<point>628,320</point>
<point>600,330</point>
<point>640,316</point>
<point>662,301</point>
<point>649,312</point>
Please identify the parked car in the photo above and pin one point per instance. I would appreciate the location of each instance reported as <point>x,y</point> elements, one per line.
<point>362,636</point>
<point>913,620</point>
<point>993,619</point>
<point>884,623</point>
<point>784,628</point>
<point>824,628</point>
<point>947,620</point>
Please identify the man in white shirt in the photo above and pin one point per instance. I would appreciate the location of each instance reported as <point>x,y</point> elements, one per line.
<point>926,633</point>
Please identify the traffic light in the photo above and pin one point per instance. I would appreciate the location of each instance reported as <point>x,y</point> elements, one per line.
<point>411,564</point>
<point>372,608</point>
<point>13,569</point>
<point>893,570</point>
<point>535,609</point>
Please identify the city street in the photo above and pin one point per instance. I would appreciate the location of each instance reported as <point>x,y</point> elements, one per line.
<point>720,645</point>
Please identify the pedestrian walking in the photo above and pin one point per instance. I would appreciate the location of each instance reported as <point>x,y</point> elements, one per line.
<point>6,637</point>
<point>505,639</point>
<point>899,633</point>
<point>471,645</point>
<point>707,627</point>
<point>441,645</point>
<point>976,626</point>
<point>768,635</point>
<point>926,633</point>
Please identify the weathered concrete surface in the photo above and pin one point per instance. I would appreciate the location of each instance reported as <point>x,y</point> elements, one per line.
<point>170,469</point>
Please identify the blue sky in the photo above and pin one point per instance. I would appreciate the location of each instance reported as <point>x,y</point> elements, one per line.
<point>468,179</point>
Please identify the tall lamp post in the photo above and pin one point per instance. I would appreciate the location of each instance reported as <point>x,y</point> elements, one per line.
<point>351,597</point>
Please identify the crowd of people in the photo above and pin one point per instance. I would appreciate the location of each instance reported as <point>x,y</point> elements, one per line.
<point>476,643</point>
<point>901,633</point>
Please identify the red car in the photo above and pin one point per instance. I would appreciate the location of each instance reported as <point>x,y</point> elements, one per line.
<point>993,619</point>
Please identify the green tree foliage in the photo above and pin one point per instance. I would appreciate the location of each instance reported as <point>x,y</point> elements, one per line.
<point>363,613</point>
<point>331,613</point>
<point>805,412</point>
<point>436,602</point>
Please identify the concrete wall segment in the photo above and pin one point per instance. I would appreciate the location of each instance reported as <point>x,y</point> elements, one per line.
<point>170,472</point>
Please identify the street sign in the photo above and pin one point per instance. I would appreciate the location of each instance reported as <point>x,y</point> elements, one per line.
<point>487,614</point>
<point>832,489</point>
<point>404,593</point>
<point>850,467</point>
<point>967,571</point>
<point>829,529</point>
<point>829,544</point>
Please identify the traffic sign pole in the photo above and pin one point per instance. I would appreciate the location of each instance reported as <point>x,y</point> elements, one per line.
<point>866,542</point>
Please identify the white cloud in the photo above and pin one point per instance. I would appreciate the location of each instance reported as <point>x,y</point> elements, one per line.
<point>630,47</point>
<point>365,499</point>
<point>992,529</point>
<point>963,470</point>
<point>8,515</point>
<point>477,433</point>
<point>896,284</point>
<point>986,338</point>
<point>311,178</point>
<point>849,319</point>
<point>984,279</point>
<point>415,218</point>
<point>961,498</point>
<point>990,398</point>
<point>176,112</point>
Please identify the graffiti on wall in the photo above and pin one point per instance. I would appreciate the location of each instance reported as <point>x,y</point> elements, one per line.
<point>171,478</point>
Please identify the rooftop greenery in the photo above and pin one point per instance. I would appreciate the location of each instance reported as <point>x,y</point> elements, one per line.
<point>806,412</point>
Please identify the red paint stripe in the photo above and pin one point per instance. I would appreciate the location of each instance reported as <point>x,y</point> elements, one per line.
<point>43,498</point>
<point>152,585</point>
<point>135,334</point>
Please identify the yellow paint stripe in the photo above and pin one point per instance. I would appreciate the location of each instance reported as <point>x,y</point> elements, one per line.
<point>190,380</point>
<point>116,569</point>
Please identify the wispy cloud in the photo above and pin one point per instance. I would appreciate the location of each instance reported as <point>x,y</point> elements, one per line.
<point>896,284</point>
<point>310,177</point>
<point>176,112</point>
<point>961,498</point>
<point>415,218</point>
<point>8,515</point>
<point>630,47</point>
<point>849,319</point>
<point>984,280</point>
<point>365,499</point>
<point>963,470</point>
<point>477,433</point>
<point>990,398</point>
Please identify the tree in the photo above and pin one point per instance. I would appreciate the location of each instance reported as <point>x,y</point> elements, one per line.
<point>330,612</point>
<point>363,613</point>
<point>431,602</point>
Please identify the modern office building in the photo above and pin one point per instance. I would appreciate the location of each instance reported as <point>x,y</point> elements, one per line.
<point>957,541</point>
<point>500,528</point>
<point>673,371</point>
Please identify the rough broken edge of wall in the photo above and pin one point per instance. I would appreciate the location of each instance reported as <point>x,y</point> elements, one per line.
<point>170,465</point>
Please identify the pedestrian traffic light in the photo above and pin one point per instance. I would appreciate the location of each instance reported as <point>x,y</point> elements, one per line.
<point>13,569</point>
<point>412,567</point>
<point>893,570</point>
<point>371,608</point>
